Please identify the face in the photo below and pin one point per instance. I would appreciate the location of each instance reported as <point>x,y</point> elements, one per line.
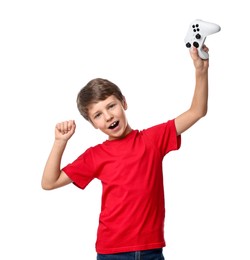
<point>109,117</point>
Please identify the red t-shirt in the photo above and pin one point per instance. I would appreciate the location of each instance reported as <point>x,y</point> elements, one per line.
<point>130,169</point>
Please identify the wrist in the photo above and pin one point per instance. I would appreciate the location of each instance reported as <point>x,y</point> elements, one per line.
<point>60,142</point>
<point>201,72</point>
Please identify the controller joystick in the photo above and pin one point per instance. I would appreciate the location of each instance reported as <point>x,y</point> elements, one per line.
<point>197,33</point>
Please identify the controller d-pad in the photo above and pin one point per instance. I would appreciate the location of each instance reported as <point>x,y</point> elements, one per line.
<point>196,44</point>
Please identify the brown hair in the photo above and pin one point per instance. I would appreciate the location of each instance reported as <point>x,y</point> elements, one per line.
<point>96,90</point>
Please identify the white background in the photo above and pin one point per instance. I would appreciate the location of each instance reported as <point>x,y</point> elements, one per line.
<point>50,49</point>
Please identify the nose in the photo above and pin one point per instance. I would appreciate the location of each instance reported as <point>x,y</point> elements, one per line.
<point>108,116</point>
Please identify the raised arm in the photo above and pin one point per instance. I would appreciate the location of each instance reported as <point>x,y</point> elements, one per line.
<point>53,177</point>
<point>198,108</point>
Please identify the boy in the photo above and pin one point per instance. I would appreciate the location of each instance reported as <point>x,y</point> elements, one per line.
<point>129,165</point>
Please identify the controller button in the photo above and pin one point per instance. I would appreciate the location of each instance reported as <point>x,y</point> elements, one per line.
<point>188,45</point>
<point>198,36</point>
<point>196,44</point>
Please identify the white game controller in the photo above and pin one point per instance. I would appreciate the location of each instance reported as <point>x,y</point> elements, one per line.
<point>197,33</point>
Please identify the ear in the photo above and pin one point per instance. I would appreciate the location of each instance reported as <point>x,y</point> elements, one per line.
<point>124,104</point>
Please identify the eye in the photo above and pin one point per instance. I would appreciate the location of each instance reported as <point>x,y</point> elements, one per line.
<point>97,115</point>
<point>111,106</point>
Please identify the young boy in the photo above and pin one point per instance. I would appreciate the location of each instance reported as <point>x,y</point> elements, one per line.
<point>129,165</point>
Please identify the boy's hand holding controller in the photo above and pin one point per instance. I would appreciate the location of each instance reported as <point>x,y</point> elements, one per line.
<point>200,64</point>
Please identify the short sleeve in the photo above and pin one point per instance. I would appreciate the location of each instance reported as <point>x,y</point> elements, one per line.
<point>81,171</point>
<point>164,137</point>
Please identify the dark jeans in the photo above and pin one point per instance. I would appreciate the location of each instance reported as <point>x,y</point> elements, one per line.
<point>155,254</point>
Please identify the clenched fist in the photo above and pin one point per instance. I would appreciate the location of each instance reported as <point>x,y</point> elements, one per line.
<point>65,130</point>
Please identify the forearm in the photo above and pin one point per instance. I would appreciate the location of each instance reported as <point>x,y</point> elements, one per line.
<point>52,169</point>
<point>198,107</point>
<point>200,97</point>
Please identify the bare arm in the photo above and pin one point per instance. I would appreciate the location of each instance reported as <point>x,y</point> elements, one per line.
<point>53,177</point>
<point>198,108</point>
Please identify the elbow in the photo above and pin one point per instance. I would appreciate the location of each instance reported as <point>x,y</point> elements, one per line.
<point>202,113</point>
<point>46,186</point>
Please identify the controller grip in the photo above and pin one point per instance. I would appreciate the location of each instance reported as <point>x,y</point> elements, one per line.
<point>203,55</point>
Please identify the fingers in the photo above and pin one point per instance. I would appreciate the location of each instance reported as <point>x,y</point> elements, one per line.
<point>205,48</point>
<point>66,127</point>
<point>200,64</point>
<point>194,53</point>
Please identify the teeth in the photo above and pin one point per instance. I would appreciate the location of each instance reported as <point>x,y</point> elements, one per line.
<point>113,125</point>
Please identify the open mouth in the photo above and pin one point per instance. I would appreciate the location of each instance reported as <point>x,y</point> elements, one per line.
<point>114,125</point>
